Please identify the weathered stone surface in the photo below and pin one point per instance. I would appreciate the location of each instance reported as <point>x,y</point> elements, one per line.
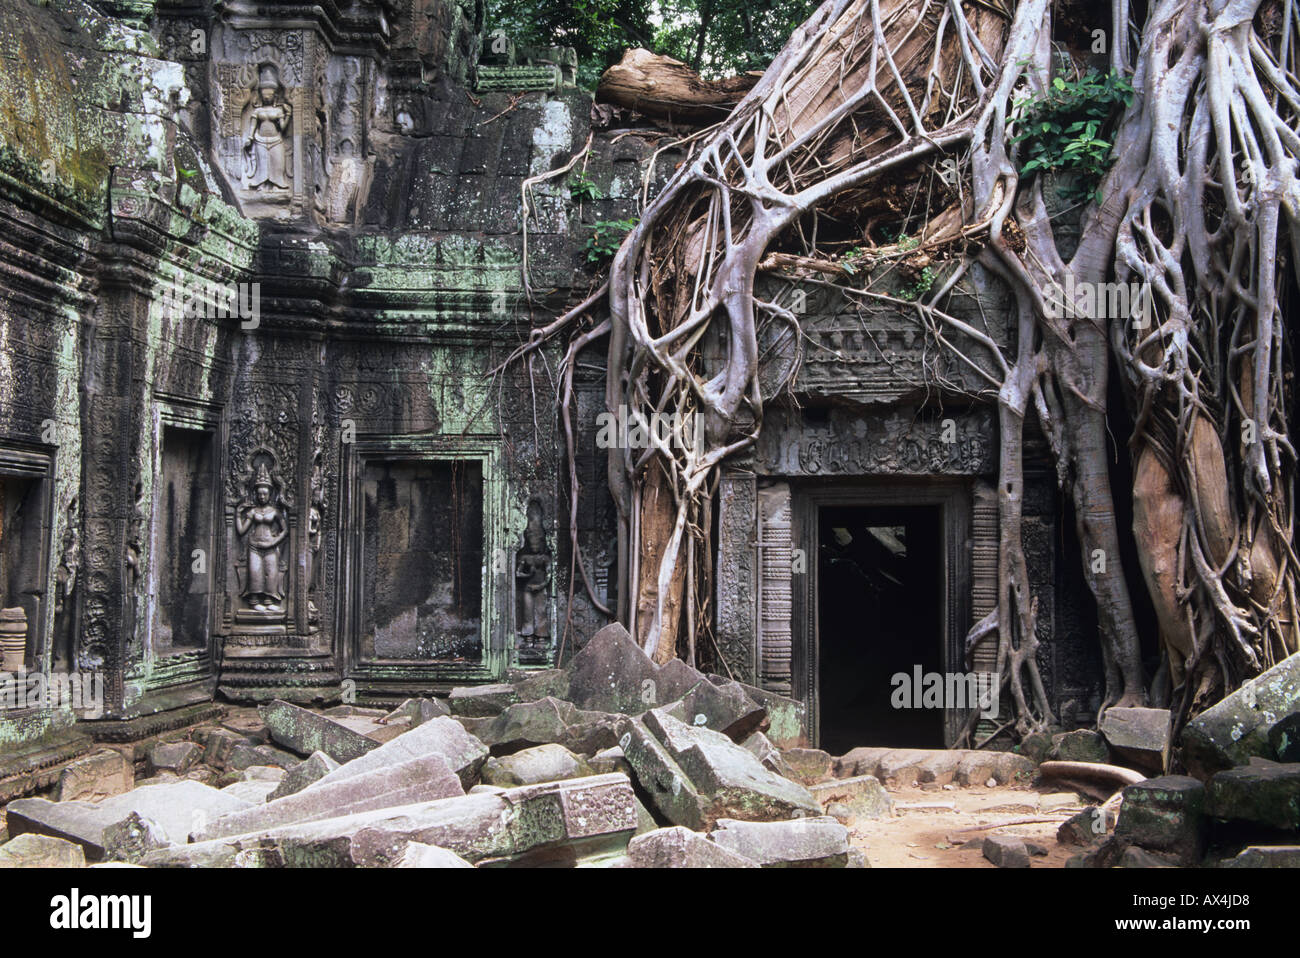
<point>808,765</point>
<point>245,757</point>
<point>1010,768</point>
<point>1135,857</point>
<point>1083,828</point>
<point>610,760</point>
<point>1006,851</point>
<point>768,754</point>
<point>177,808</point>
<point>443,736</point>
<point>175,757</point>
<point>132,838</point>
<point>541,763</point>
<point>1263,794</point>
<point>544,683</point>
<point>610,674</point>
<point>480,701</point>
<point>1165,814</point>
<point>305,731</point>
<point>1254,856</point>
<point>787,718</point>
<point>864,760</point>
<point>94,777</point>
<point>1231,731</point>
<point>255,792</point>
<point>264,773</point>
<point>312,769</point>
<point>1138,735</point>
<point>694,775</point>
<point>863,795</point>
<point>902,767</point>
<point>819,842</point>
<point>552,823</point>
<point>1081,745</point>
<point>940,768</point>
<point>1284,739</point>
<point>419,855</point>
<point>420,780</point>
<point>723,707</point>
<point>417,711</point>
<point>678,847</point>
<point>220,744</point>
<point>541,722</point>
<point>41,851</point>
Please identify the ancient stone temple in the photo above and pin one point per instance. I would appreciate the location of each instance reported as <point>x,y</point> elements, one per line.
<point>260,267</point>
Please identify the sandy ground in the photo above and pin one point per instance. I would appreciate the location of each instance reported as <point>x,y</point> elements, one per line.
<point>938,837</point>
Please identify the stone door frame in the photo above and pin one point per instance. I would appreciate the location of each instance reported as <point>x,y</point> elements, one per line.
<point>36,463</point>
<point>953,497</point>
<point>394,676</point>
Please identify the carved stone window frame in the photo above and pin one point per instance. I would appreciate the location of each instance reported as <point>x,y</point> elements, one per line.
<point>953,497</point>
<point>495,618</point>
<point>197,665</point>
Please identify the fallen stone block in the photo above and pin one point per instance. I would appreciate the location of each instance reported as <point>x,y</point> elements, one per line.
<point>694,775</point>
<point>723,707</point>
<point>1254,856</point>
<point>1138,735</point>
<point>304,731</point>
<point>255,792</point>
<point>808,765</point>
<point>417,711</point>
<point>177,808</point>
<point>1165,814</point>
<point>610,674</point>
<point>1284,739</point>
<point>418,855</point>
<point>526,724</point>
<point>312,769</point>
<point>552,823</point>
<point>819,842</point>
<point>1083,828</point>
<point>41,851</point>
<point>541,763</point>
<point>443,736</point>
<point>864,760</point>
<point>863,795</point>
<point>768,754</point>
<point>245,757</point>
<point>132,838</point>
<point>1231,731</point>
<point>1135,857</point>
<point>1080,745</point>
<point>422,779</point>
<point>1262,794</point>
<point>939,767</point>
<point>976,767</point>
<point>678,847</point>
<point>544,683</point>
<point>902,767</point>
<point>610,760</point>
<point>95,777</point>
<point>1011,767</point>
<point>219,744</point>
<point>1006,851</point>
<point>481,701</point>
<point>175,757</point>
<point>1106,854</point>
<point>263,773</point>
<point>787,718</point>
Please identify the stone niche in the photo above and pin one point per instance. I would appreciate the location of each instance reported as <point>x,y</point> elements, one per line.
<point>422,556</point>
<point>24,556</point>
<point>183,542</point>
<point>421,583</point>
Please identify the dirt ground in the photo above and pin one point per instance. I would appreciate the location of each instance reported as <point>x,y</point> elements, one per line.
<point>950,837</point>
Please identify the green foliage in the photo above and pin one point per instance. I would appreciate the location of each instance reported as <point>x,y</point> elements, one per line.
<point>924,284</point>
<point>582,187</point>
<point>607,236</point>
<point>1062,130</point>
<point>715,37</point>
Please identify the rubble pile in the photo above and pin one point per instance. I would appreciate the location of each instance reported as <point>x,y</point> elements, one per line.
<point>618,762</point>
<point>612,762</point>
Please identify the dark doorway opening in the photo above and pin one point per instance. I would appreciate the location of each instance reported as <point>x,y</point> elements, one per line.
<point>880,614</point>
<point>183,541</point>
